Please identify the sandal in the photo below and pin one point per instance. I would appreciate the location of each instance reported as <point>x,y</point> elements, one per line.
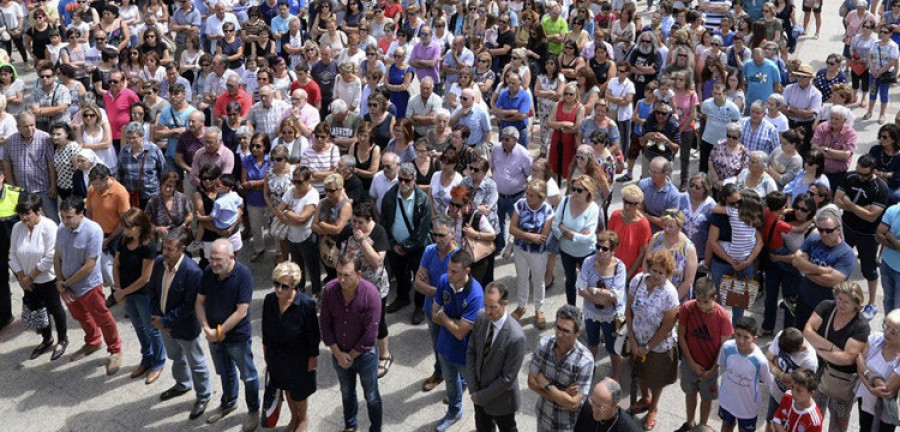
<point>642,405</point>
<point>42,348</point>
<point>384,369</point>
<point>60,349</point>
<point>650,421</point>
<point>867,116</point>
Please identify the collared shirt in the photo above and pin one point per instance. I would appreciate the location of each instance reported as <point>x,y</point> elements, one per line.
<point>419,107</point>
<point>467,57</point>
<point>398,229</point>
<point>511,170</point>
<point>74,247</point>
<point>188,145</point>
<point>380,185</point>
<point>168,277</point>
<point>351,325</point>
<point>458,304</point>
<point>108,207</point>
<point>658,200</point>
<point>118,109</point>
<point>223,297</point>
<point>31,161</point>
<point>309,116</point>
<point>134,168</point>
<point>58,95</point>
<point>576,367</point>
<point>430,52</point>
<point>266,120</point>
<point>762,138</point>
<point>181,17</point>
<point>498,325</point>
<point>226,209</point>
<point>171,118</point>
<point>521,102</point>
<point>243,98</point>
<point>34,249</point>
<point>809,98</point>
<point>478,124</point>
<point>223,158</point>
<point>164,88</point>
<point>844,140</point>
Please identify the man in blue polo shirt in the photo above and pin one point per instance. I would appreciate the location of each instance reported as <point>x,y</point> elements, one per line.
<point>659,192</point>
<point>473,116</point>
<point>456,304</point>
<point>223,302</point>
<point>512,107</point>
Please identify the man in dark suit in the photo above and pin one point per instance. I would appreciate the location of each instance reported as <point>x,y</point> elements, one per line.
<point>493,360</point>
<point>173,285</point>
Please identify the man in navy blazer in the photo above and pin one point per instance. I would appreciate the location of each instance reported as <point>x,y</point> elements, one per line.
<point>493,359</point>
<point>173,285</point>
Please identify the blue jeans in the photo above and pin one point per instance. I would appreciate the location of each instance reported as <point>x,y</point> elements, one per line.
<point>786,280</point>
<point>228,356</point>
<point>153,352</point>
<point>720,269</point>
<point>433,331</point>
<point>505,207</point>
<point>453,379</point>
<point>49,206</point>
<point>879,88</point>
<point>189,365</point>
<point>570,269</point>
<point>366,366</point>
<point>523,137</point>
<point>890,285</point>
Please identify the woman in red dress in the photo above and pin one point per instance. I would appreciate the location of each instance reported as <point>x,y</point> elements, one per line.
<point>564,122</point>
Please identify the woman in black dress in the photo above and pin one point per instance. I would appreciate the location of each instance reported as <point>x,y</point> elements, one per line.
<point>203,200</point>
<point>381,120</point>
<point>366,154</point>
<point>291,341</point>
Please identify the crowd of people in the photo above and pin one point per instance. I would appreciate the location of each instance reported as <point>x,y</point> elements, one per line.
<point>404,148</point>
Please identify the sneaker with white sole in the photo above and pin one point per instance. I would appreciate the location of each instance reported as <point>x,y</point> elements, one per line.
<point>114,363</point>
<point>220,412</point>
<point>195,246</point>
<point>870,311</point>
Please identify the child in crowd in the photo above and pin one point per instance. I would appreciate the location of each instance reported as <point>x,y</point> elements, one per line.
<point>743,226</point>
<point>744,368</point>
<point>703,327</point>
<point>788,352</point>
<point>665,92</point>
<point>798,411</point>
<point>226,211</point>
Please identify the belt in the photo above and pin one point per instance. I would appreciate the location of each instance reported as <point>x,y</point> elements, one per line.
<point>512,195</point>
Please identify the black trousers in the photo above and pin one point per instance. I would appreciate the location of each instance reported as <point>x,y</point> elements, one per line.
<point>5,293</point>
<point>306,255</point>
<point>404,269</point>
<point>486,422</point>
<point>46,295</point>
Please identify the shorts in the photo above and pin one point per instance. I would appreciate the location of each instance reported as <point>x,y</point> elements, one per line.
<point>658,370</point>
<point>867,250</point>
<point>691,384</point>
<point>817,9</point>
<point>593,329</point>
<point>745,425</point>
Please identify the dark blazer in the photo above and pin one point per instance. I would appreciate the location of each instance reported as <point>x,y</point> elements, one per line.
<point>420,219</point>
<point>180,301</point>
<point>494,380</point>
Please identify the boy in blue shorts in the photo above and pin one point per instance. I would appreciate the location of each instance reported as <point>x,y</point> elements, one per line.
<point>744,367</point>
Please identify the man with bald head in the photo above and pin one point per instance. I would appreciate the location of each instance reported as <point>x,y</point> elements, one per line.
<point>306,114</point>
<point>266,115</point>
<point>189,142</point>
<point>234,92</point>
<point>422,108</point>
<point>458,58</point>
<point>603,413</point>
<point>471,115</point>
<point>213,152</point>
<point>324,73</point>
<point>118,101</point>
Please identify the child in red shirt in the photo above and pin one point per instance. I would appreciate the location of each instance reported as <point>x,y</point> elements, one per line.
<point>797,411</point>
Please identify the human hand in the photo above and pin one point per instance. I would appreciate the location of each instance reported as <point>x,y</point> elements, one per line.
<point>119,294</point>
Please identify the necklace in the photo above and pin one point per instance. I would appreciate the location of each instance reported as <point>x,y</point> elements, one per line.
<point>884,154</point>
<point>611,424</point>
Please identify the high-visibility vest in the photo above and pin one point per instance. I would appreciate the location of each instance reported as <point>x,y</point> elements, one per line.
<point>9,197</point>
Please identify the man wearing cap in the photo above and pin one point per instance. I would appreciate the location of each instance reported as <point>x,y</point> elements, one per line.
<point>511,166</point>
<point>802,101</point>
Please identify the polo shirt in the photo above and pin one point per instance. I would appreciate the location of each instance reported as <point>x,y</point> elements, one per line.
<point>430,52</point>
<point>181,17</point>
<point>511,170</point>
<point>399,232</point>
<point>242,98</point>
<point>840,257</point>
<point>458,304</point>
<point>118,109</point>
<point>717,118</point>
<point>418,107</point>
<point>74,247</point>
<point>351,325</point>
<point>223,158</point>
<point>380,185</point>
<point>224,295</point>
<point>551,28</point>
<point>521,102</point>
<point>478,124</point>
<point>226,209</point>
<point>173,119</point>
<point>809,98</point>
<point>657,201</point>
<point>108,207</point>
<point>436,267</point>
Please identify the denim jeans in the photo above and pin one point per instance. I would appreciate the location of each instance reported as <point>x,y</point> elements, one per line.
<point>50,207</point>
<point>890,286</point>
<point>505,207</point>
<point>720,269</point>
<point>433,331</point>
<point>453,380</point>
<point>786,280</point>
<point>189,365</point>
<point>153,352</point>
<point>366,366</point>
<point>570,269</point>
<point>230,355</point>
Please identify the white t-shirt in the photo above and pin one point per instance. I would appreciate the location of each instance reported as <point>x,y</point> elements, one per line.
<point>618,89</point>
<point>299,234</point>
<point>780,122</point>
<point>740,392</point>
<point>788,363</point>
<point>380,186</point>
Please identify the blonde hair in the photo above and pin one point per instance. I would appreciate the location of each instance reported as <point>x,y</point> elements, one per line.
<point>287,269</point>
<point>537,187</point>
<point>674,215</point>
<point>853,290</point>
<point>587,182</point>
<point>334,179</point>
<point>634,192</point>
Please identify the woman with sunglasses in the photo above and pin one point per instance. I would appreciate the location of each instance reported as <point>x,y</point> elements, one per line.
<point>277,181</point>
<point>728,157</point>
<point>830,76</point>
<point>679,246</point>
<point>331,221</point>
<point>883,66</point>
<point>570,60</point>
<point>564,122</point>
<point>95,134</point>
<point>575,224</point>
<point>530,225</point>
<point>37,37</point>
<point>860,46</point>
<point>474,224</point>
<point>443,181</point>
<point>586,163</point>
<point>887,157</point>
<point>320,24</point>
<point>383,123</point>
<point>254,168</point>
<point>296,211</point>
<point>813,173</point>
<point>398,79</point>
<point>632,228</point>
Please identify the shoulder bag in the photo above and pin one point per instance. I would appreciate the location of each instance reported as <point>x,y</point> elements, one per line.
<point>480,249</point>
<point>328,246</point>
<point>833,383</point>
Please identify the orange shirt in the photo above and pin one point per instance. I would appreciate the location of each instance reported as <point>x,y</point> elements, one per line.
<point>108,207</point>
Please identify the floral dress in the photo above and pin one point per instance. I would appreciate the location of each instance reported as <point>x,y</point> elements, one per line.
<point>278,185</point>
<point>378,276</point>
<point>679,253</point>
<point>649,310</point>
<point>546,106</point>
<point>726,163</point>
<point>486,194</point>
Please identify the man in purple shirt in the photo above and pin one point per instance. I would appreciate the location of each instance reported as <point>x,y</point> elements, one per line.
<point>425,57</point>
<point>189,142</point>
<point>350,312</point>
<point>511,165</point>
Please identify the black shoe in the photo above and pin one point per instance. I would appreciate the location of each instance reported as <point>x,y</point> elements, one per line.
<point>58,352</point>
<point>6,322</point>
<point>624,178</point>
<point>198,409</point>
<point>396,305</point>
<point>172,392</point>
<point>45,346</point>
<point>684,428</point>
<point>418,316</point>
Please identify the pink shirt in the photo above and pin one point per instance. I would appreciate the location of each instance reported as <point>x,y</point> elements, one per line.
<point>844,140</point>
<point>118,109</point>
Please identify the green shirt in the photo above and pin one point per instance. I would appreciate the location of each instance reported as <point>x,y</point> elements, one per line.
<point>553,28</point>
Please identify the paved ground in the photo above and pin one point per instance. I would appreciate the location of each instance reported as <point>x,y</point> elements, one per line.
<point>65,396</point>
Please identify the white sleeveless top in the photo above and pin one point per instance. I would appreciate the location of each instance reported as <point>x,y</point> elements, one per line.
<point>108,156</point>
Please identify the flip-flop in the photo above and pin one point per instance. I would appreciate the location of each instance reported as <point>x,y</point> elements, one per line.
<point>650,421</point>
<point>383,370</point>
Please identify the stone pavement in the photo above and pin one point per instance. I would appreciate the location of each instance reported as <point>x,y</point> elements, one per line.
<point>39,395</point>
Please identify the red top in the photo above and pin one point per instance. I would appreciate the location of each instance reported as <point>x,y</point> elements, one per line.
<point>774,241</point>
<point>808,420</point>
<point>631,237</point>
<point>118,109</point>
<point>313,94</point>
<point>242,98</point>
<point>704,331</point>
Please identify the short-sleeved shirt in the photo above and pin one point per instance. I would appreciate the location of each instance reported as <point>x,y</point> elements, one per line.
<point>551,27</point>
<point>839,257</point>
<point>58,95</point>
<point>532,222</point>
<point>631,237</point>
<point>791,419</point>
<point>30,161</point>
<point>173,119</point>
<point>436,267</point>
<point>299,233</point>
<point>74,247</point>
<point>788,362</point>
<point>740,391</point>
<point>863,194</point>
<point>717,117</point>
<point>223,297</point>
<point>761,80</point>
<point>226,209</point>
<point>576,367</point>
<point>511,170</point>
<point>891,218</point>
<point>108,207</point>
<point>418,107</point>
<point>657,201</point>
<point>131,265</point>
<point>649,310</point>
<point>521,102</point>
<point>589,277</point>
<point>461,304</point>
<point>478,122</point>
<point>704,331</point>
<point>118,109</point>
<point>857,329</point>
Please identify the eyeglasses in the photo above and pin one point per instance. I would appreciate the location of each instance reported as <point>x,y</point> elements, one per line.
<point>832,63</point>
<point>206,179</point>
<point>475,170</point>
<point>405,180</point>
<point>886,32</point>
<point>623,70</point>
<point>331,191</point>
<point>645,41</point>
<point>298,182</point>
<point>397,56</point>
<point>370,54</point>
<point>113,81</point>
<point>484,61</point>
<point>257,146</point>
<point>661,113</point>
<point>564,331</point>
<point>734,204</point>
<point>281,286</point>
<point>228,31</point>
<point>733,137</point>
<point>803,209</point>
<point>424,35</point>
<point>279,159</point>
<point>89,115</point>
<point>569,93</point>
<point>888,329</point>
<point>883,137</point>
<point>46,76</point>
<point>578,190</point>
<point>630,203</point>
<point>604,248</point>
<point>438,235</point>
<point>321,136</point>
<point>828,230</point>
<point>582,157</point>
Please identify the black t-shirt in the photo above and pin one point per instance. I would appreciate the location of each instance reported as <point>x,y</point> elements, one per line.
<point>863,194</point>
<point>159,49</point>
<point>503,40</point>
<point>601,70</point>
<point>637,58</point>
<point>355,189</point>
<point>857,329</point>
<point>721,221</point>
<point>131,264</point>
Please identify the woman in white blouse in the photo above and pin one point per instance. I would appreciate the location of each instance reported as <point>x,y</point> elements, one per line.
<point>32,245</point>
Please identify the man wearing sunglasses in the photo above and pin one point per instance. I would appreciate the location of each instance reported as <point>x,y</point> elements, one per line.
<point>863,196</point>
<point>825,260</point>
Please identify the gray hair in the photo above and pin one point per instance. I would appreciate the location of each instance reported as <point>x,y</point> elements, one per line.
<point>408,169</point>
<point>243,131</point>
<point>510,131</point>
<point>427,79</point>
<point>777,99</point>
<point>843,112</point>
<point>735,127</point>
<point>338,106</point>
<point>23,116</point>
<point>348,161</point>
<point>568,312</point>
<point>178,235</point>
<point>761,157</point>
<point>214,130</point>
<point>134,128</point>
<point>389,157</point>
<point>223,243</point>
<point>715,39</point>
<point>828,213</point>
<point>758,104</point>
<point>442,220</point>
<point>438,113</point>
<point>666,164</point>
<point>614,389</point>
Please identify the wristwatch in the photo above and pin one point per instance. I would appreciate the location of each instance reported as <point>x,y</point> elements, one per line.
<point>547,387</point>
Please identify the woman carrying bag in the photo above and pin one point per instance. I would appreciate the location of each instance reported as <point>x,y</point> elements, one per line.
<point>879,370</point>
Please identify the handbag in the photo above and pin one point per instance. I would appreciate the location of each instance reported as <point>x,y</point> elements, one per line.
<point>278,229</point>
<point>134,197</point>
<point>833,383</point>
<point>329,251</point>
<point>738,292</point>
<point>857,66</point>
<point>34,315</point>
<point>552,239</point>
<point>480,249</point>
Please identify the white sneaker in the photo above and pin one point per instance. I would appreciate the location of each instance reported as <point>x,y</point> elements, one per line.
<point>195,247</point>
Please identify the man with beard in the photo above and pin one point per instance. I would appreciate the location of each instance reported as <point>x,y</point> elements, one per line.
<point>645,61</point>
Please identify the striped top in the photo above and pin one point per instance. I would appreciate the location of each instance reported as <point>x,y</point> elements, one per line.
<point>743,236</point>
